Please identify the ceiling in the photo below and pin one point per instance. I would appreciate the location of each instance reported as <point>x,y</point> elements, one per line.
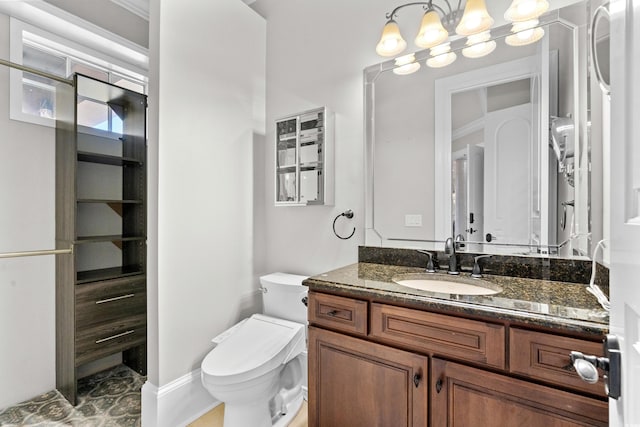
<point>141,7</point>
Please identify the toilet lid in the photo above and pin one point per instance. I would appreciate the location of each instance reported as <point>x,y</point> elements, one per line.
<point>258,346</point>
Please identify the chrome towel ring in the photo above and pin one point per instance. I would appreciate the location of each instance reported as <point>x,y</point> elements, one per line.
<point>348,214</point>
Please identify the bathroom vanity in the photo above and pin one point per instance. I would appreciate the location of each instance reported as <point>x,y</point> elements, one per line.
<point>387,355</point>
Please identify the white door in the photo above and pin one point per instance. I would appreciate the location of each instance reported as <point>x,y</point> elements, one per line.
<point>475,196</point>
<point>507,175</point>
<point>625,204</point>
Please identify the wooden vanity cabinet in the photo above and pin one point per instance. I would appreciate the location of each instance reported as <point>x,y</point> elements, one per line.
<point>374,373</point>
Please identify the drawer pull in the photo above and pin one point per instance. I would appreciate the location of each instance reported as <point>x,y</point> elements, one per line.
<point>332,313</point>
<point>102,301</point>
<point>115,336</point>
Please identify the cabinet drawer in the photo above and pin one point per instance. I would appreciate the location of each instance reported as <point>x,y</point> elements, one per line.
<point>341,313</point>
<point>109,300</point>
<point>108,338</point>
<point>439,334</point>
<point>546,357</point>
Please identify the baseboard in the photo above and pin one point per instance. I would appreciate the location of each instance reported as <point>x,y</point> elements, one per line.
<point>177,403</point>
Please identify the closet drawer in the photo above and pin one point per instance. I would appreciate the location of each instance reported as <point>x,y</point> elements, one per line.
<point>108,338</point>
<point>438,334</point>
<point>106,301</point>
<point>340,313</point>
<point>546,357</point>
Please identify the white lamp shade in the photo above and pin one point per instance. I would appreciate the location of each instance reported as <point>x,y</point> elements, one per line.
<point>479,45</point>
<point>524,33</point>
<point>406,69</point>
<point>524,10</point>
<point>431,32</point>
<point>441,56</point>
<point>475,19</point>
<point>391,42</point>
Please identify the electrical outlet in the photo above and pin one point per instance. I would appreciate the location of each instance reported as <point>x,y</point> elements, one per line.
<point>413,220</point>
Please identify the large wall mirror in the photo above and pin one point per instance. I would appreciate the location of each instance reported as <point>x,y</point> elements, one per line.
<point>502,153</point>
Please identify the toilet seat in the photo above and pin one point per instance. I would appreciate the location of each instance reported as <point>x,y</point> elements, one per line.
<point>257,347</point>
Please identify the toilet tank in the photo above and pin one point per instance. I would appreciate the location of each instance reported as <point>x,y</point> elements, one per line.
<point>282,296</point>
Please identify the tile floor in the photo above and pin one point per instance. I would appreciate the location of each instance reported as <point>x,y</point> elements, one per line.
<point>107,399</point>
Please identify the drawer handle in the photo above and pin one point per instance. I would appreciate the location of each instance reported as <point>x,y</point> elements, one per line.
<point>102,301</point>
<point>115,336</point>
<point>332,313</point>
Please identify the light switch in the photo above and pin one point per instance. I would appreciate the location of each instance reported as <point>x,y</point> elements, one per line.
<point>413,220</point>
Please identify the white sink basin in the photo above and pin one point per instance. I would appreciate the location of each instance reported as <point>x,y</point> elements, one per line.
<point>443,286</point>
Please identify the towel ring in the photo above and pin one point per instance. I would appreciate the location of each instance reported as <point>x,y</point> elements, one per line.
<point>348,214</point>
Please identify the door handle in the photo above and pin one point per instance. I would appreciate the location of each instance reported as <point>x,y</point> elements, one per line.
<point>587,366</point>
<point>416,379</point>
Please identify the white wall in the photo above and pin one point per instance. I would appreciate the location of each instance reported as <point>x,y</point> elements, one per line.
<point>316,53</point>
<point>206,104</point>
<point>27,220</point>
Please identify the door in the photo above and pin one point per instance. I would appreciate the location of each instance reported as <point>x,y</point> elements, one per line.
<point>468,195</point>
<point>356,383</point>
<point>625,204</point>
<point>475,196</point>
<point>508,162</point>
<point>462,396</point>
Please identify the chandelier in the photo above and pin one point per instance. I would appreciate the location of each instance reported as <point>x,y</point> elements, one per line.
<point>472,22</point>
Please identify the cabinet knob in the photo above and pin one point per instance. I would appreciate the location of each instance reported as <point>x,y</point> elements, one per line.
<point>439,385</point>
<point>332,313</point>
<point>416,379</point>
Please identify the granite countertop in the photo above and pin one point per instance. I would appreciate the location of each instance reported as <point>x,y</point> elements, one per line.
<point>561,306</point>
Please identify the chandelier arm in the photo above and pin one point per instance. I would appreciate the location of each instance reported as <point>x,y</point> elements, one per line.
<point>394,11</point>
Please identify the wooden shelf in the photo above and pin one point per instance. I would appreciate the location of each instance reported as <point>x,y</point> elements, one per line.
<point>111,238</point>
<point>108,273</point>
<point>105,159</point>
<point>108,201</point>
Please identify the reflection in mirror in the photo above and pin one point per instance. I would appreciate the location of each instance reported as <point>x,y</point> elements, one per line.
<point>492,151</point>
<point>600,46</point>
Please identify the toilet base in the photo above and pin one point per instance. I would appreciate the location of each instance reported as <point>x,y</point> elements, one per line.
<point>283,420</point>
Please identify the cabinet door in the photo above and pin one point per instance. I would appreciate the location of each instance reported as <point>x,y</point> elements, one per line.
<point>356,383</point>
<point>465,396</point>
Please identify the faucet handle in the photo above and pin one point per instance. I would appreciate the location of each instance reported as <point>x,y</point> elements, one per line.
<point>430,266</point>
<point>477,267</point>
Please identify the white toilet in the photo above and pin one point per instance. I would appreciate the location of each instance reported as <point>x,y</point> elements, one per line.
<point>259,367</point>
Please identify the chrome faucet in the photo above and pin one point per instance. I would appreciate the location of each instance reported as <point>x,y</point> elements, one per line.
<point>477,266</point>
<point>430,267</point>
<point>450,248</point>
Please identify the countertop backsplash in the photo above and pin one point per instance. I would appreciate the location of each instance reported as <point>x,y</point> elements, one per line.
<point>556,269</point>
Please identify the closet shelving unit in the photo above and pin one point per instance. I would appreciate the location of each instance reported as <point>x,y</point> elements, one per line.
<point>101,211</point>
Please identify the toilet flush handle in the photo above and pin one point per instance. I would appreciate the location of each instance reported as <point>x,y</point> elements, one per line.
<point>305,301</point>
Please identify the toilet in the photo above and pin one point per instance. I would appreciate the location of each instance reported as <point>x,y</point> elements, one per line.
<point>259,367</point>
